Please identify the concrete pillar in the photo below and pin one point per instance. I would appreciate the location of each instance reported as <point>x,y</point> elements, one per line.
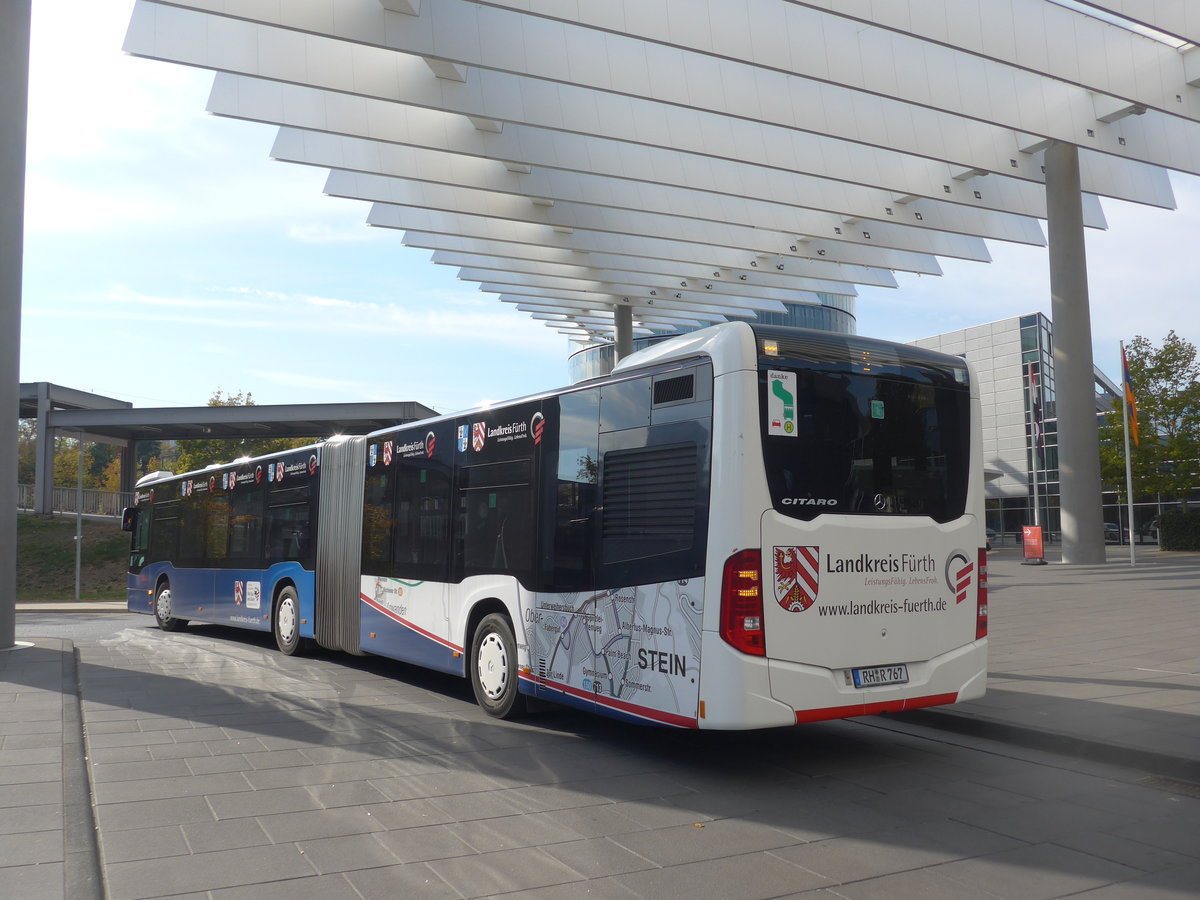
<point>14,105</point>
<point>1074,379</point>
<point>128,466</point>
<point>43,466</point>
<point>624,327</point>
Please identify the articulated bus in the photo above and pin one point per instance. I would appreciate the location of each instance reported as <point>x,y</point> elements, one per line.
<point>741,527</point>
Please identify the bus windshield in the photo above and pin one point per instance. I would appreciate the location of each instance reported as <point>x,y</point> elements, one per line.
<point>845,442</point>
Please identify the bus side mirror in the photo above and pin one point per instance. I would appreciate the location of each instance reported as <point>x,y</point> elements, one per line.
<point>129,518</point>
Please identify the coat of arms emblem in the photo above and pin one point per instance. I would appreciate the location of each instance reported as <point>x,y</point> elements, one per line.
<point>797,571</point>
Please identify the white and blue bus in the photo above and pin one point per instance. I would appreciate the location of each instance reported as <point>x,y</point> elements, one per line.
<point>742,527</point>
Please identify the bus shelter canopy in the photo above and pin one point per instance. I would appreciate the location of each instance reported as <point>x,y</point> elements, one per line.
<point>694,160</point>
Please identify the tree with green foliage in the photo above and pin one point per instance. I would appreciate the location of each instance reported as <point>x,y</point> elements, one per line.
<point>26,450</point>
<point>1166,386</point>
<point>197,454</point>
<point>101,462</point>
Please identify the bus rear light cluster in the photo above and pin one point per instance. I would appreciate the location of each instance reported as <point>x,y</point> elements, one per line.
<point>981,600</point>
<point>742,603</point>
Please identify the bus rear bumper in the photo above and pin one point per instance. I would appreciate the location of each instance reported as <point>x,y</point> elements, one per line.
<point>818,693</point>
<point>754,692</point>
<point>741,697</point>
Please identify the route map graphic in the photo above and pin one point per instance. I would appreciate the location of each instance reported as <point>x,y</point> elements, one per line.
<point>638,645</point>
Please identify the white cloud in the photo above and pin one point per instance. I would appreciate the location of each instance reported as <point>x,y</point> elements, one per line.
<point>435,315</point>
<point>118,143</point>
<point>84,92</point>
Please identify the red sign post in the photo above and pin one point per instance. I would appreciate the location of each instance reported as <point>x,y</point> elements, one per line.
<point>1031,545</point>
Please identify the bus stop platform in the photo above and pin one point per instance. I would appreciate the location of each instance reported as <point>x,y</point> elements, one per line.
<point>1100,662</point>
<point>206,765</point>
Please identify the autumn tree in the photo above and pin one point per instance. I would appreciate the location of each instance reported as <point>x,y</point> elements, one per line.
<point>1166,385</point>
<point>196,454</point>
<point>101,462</point>
<point>26,450</point>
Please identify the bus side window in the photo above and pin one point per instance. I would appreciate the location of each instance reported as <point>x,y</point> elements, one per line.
<point>287,533</point>
<point>139,540</point>
<point>572,490</point>
<point>379,510</point>
<point>164,537</point>
<point>495,508</point>
<point>422,524</point>
<point>288,526</point>
<point>216,534</point>
<point>245,530</point>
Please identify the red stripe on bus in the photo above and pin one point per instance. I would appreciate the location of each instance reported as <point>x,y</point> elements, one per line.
<point>407,624</point>
<point>643,712</point>
<point>870,709</point>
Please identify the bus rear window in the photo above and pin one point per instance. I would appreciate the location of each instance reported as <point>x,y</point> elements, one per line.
<point>858,444</point>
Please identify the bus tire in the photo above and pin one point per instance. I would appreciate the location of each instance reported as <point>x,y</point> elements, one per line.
<point>285,623</point>
<point>494,668</point>
<point>162,610</point>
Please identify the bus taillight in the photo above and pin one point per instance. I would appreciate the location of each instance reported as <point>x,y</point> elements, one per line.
<point>742,603</point>
<point>981,612</point>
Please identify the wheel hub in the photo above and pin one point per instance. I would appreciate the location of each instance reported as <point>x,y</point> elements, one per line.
<point>493,666</point>
<point>286,620</point>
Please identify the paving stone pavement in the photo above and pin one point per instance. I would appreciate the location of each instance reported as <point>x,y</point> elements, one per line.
<point>206,765</point>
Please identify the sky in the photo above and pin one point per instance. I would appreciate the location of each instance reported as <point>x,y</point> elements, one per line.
<point>167,257</point>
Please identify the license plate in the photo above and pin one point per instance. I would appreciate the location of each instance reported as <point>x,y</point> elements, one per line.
<point>878,675</point>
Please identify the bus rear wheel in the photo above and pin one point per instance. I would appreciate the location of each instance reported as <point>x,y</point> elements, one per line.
<point>162,610</point>
<point>494,668</point>
<point>285,623</point>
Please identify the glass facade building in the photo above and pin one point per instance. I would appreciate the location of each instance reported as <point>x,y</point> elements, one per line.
<point>1013,361</point>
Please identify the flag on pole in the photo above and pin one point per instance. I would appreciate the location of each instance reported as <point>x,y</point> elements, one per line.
<point>1039,425</point>
<point>1130,400</point>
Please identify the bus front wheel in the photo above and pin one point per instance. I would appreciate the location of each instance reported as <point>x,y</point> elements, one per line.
<point>494,668</point>
<point>286,622</point>
<point>162,610</point>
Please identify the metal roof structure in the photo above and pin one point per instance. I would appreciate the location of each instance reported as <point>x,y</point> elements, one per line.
<point>621,167</point>
<point>687,160</point>
<point>113,421</point>
<point>92,417</point>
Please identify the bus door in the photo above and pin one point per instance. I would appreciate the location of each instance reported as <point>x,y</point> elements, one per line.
<point>192,578</point>
<point>405,549</point>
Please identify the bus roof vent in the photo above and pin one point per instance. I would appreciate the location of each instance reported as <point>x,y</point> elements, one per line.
<point>673,390</point>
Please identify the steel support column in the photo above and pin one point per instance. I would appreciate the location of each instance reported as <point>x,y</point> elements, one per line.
<point>43,466</point>
<point>128,466</point>
<point>1074,379</point>
<point>14,105</point>
<point>623,316</point>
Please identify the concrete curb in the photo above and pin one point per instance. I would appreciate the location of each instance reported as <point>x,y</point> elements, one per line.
<point>82,877</point>
<point>99,606</point>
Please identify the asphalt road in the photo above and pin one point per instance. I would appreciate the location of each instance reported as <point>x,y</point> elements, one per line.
<point>79,627</point>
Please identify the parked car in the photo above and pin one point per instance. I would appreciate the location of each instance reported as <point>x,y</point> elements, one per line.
<point>1112,533</point>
